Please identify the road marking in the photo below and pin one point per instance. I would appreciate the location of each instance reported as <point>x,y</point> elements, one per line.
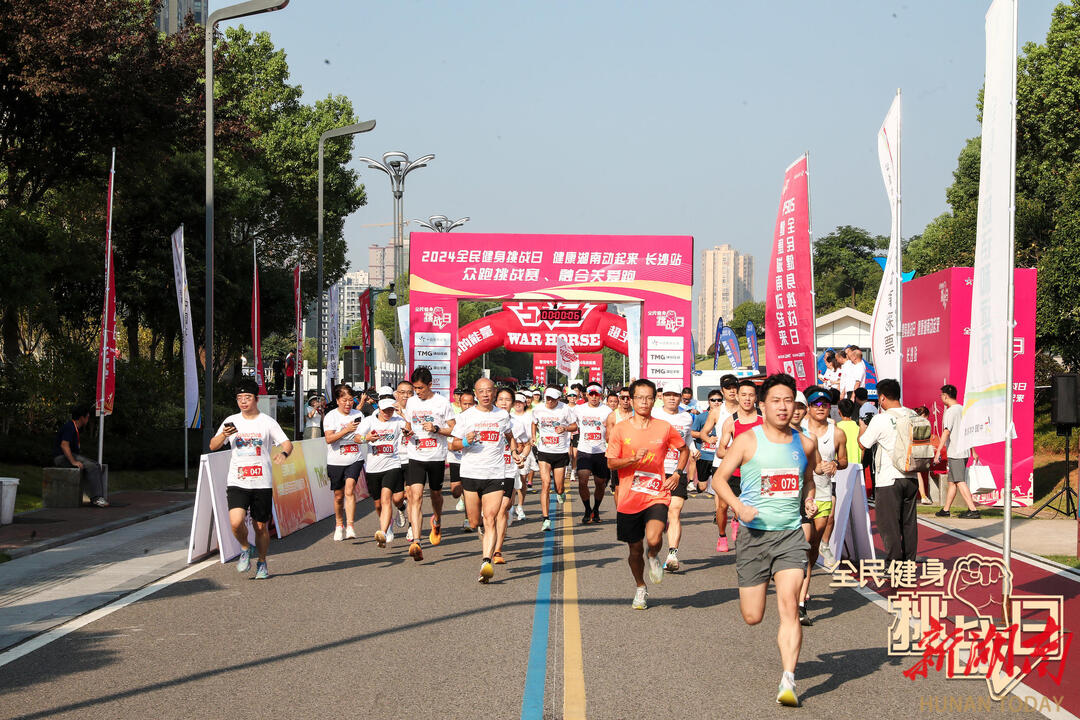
<point>532,703</point>
<point>573,666</point>
<point>40,641</point>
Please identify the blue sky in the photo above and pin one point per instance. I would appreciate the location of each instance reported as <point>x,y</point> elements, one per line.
<point>646,118</point>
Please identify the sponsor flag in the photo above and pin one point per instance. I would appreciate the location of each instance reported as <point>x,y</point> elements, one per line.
<point>987,400</point>
<point>566,360</point>
<point>716,344</point>
<point>752,344</point>
<point>256,324</point>
<point>731,347</point>
<point>789,290</point>
<point>298,361</point>
<point>106,378</point>
<point>885,325</point>
<point>333,336</point>
<point>365,328</point>
<point>192,414</point>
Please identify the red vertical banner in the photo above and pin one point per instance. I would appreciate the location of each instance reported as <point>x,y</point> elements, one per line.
<point>299,361</point>
<point>789,291</point>
<point>365,328</point>
<point>256,327</point>
<point>106,377</point>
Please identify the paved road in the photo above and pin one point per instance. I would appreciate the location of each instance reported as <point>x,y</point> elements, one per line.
<point>346,628</point>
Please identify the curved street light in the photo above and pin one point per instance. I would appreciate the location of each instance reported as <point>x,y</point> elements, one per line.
<point>231,12</point>
<point>441,223</point>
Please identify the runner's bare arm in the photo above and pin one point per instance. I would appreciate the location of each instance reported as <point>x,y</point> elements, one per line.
<point>840,443</point>
<point>809,488</point>
<point>286,451</point>
<point>448,428</point>
<point>742,448</point>
<point>710,423</point>
<point>725,437</point>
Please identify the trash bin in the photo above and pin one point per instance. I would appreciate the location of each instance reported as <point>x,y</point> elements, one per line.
<point>8,488</point>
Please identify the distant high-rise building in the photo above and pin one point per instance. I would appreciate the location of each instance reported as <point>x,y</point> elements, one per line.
<point>350,288</point>
<point>728,281</point>
<point>173,12</point>
<point>381,263</point>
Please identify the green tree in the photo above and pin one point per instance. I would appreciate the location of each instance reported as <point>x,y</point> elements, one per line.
<point>747,312</point>
<point>845,273</point>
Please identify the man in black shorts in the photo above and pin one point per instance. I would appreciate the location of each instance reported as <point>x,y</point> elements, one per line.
<point>592,442</point>
<point>431,420</point>
<point>249,486</point>
<point>552,424</point>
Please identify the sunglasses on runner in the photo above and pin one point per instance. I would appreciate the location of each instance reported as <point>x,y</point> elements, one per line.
<point>820,403</point>
<point>716,400</point>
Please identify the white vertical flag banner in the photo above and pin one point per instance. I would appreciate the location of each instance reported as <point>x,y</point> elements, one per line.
<point>192,416</point>
<point>333,335</point>
<point>885,325</point>
<point>566,360</point>
<point>986,393</point>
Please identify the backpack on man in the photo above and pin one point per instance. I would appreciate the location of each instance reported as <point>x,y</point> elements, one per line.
<point>912,450</point>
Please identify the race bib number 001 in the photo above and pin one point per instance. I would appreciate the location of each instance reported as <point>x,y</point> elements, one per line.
<point>648,483</point>
<point>780,484</point>
<point>382,449</point>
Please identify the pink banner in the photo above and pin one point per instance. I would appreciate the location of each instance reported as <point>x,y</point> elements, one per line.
<point>365,329</point>
<point>789,298</point>
<point>106,377</point>
<point>256,330</point>
<point>936,319</point>
<point>656,271</point>
<point>593,361</point>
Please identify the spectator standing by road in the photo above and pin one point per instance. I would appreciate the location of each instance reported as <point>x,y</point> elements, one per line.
<point>957,458</point>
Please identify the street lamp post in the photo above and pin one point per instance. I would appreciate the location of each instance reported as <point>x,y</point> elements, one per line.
<point>483,362</point>
<point>441,223</point>
<point>353,129</point>
<point>397,165</point>
<point>231,12</point>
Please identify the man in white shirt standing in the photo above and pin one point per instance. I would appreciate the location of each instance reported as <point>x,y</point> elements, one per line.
<point>957,459</point>
<point>249,487</point>
<point>856,371</point>
<point>896,493</point>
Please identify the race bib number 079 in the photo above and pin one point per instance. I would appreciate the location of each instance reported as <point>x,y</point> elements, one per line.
<point>780,484</point>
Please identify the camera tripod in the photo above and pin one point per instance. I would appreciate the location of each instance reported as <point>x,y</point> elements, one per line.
<point>1066,489</point>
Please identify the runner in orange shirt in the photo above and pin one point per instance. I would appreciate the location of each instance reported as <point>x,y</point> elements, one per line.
<point>636,450</point>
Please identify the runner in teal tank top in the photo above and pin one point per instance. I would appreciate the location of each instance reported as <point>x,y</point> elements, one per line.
<point>771,482</point>
<point>777,466</point>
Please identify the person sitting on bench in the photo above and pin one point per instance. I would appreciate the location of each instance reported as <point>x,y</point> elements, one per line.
<point>66,454</point>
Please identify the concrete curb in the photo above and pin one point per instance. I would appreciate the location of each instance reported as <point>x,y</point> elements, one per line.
<point>941,527</point>
<point>97,530</point>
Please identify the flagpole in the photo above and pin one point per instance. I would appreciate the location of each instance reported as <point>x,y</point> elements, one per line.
<point>104,315</point>
<point>899,275</point>
<point>1006,552</point>
<point>813,291</point>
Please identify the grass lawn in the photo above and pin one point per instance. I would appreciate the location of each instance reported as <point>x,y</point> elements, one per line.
<point>1067,560</point>
<point>29,495</point>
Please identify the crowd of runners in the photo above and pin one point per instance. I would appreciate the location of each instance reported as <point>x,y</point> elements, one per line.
<point>766,454</point>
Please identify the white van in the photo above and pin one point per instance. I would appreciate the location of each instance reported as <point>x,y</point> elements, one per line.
<point>705,381</point>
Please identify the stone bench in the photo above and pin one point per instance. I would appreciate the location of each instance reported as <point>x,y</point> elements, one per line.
<point>63,487</point>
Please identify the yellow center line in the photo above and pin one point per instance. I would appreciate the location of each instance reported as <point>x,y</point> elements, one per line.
<point>573,666</point>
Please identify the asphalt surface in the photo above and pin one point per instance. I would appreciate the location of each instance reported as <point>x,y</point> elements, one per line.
<point>347,628</point>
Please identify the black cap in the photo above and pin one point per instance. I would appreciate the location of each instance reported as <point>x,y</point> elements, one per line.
<point>247,385</point>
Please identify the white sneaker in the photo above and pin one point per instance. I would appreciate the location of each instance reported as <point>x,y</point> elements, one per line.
<point>827,555</point>
<point>400,518</point>
<point>390,535</point>
<point>672,562</point>
<point>656,572</point>
<point>509,517</point>
<point>520,512</point>
<point>465,525</point>
<point>350,533</point>
<point>546,524</point>
<point>409,535</point>
<point>641,599</point>
<point>339,533</point>
<point>460,507</point>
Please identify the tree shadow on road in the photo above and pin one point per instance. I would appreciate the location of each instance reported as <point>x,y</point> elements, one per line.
<point>840,667</point>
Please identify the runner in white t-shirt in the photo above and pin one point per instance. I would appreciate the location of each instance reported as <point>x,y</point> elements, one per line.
<point>552,424</point>
<point>512,457</point>
<point>249,486</point>
<point>528,461</point>
<point>466,399</point>
<point>592,444</point>
<point>344,459</point>
<point>483,435</point>
<point>431,419</point>
<point>384,432</point>
<point>681,421</point>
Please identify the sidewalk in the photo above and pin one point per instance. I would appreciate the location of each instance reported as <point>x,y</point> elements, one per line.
<point>1031,535</point>
<point>39,530</point>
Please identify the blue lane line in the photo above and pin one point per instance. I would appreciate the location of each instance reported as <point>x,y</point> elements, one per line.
<point>532,704</point>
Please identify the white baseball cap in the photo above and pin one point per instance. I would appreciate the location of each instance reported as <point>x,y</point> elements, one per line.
<point>800,399</point>
<point>386,403</point>
<point>519,397</point>
<point>671,386</point>
<point>552,393</point>
<point>386,390</point>
<point>594,388</point>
